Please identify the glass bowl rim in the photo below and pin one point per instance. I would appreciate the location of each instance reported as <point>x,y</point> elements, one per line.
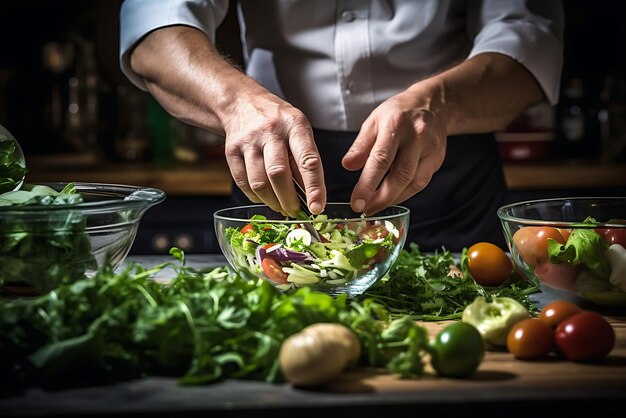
<point>151,197</point>
<point>501,212</point>
<point>218,215</point>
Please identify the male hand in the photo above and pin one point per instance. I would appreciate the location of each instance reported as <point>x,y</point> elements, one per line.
<point>268,144</point>
<point>399,148</point>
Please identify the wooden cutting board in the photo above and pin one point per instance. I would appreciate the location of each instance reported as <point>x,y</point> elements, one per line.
<point>500,372</point>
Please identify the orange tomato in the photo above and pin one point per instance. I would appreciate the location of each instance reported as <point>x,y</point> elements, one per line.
<point>488,264</point>
<point>530,339</point>
<point>531,243</point>
<point>557,311</point>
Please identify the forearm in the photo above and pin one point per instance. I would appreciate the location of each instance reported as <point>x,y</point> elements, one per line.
<point>482,94</point>
<point>188,76</point>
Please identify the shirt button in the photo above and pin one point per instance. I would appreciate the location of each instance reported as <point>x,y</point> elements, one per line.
<point>350,88</point>
<point>347,16</point>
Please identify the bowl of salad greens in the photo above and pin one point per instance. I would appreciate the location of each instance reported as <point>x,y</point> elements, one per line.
<point>337,252</point>
<point>574,248</point>
<point>56,232</point>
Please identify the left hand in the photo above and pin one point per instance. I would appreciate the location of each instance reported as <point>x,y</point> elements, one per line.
<point>399,148</point>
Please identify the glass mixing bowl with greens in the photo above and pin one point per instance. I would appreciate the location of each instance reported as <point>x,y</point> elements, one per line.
<point>338,252</point>
<point>63,231</point>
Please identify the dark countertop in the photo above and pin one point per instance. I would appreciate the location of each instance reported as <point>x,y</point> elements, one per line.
<point>502,385</point>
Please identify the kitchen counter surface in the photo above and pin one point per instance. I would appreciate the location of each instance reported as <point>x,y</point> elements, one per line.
<point>502,386</point>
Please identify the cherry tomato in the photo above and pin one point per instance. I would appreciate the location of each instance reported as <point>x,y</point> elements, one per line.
<point>557,311</point>
<point>374,232</point>
<point>274,271</point>
<point>457,350</point>
<point>488,264</point>
<point>530,339</point>
<point>532,243</point>
<point>565,233</point>
<point>246,229</point>
<point>613,235</point>
<point>585,337</point>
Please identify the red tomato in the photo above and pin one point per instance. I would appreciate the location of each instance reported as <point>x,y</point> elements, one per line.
<point>488,264</point>
<point>274,271</point>
<point>531,242</point>
<point>374,232</point>
<point>585,337</point>
<point>530,339</point>
<point>565,233</point>
<point>557,311</point>
<point>614,235</point>
<point>246,229</point>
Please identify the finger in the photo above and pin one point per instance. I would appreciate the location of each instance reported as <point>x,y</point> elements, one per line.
<point>426,167</point>
<point>399,177</point>
<point>258,180</point>
<point>377,165</point>
<point>277,167</point>
<point>357,154</point>
<point>239,173</point>
<point>308,164</point>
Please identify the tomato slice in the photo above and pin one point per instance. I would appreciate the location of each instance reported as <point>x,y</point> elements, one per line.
<point>274,271</point>
<point>246,229</point>
<point>374,232</point>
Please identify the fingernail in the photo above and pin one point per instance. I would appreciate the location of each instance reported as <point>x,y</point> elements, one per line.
<point>316,207</point>
<point>359,205</point>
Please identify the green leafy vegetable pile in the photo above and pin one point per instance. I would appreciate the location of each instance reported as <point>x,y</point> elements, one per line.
<point>419,286</point>
<point>42,249</point>
<point>202,326</point>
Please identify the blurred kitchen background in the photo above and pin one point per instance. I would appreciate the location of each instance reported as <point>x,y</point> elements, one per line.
<point>78,118</point>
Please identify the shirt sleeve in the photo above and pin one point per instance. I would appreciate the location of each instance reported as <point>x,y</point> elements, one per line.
<point>140,17</point>
<point>530,32</point>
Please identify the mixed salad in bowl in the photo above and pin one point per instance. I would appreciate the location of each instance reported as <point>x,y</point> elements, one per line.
<point>335,255</point>
<point>575,247</point>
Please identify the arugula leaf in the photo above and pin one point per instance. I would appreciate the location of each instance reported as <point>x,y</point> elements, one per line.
<point>202,326</point>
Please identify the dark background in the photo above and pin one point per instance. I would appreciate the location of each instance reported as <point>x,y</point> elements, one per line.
<point>595,56</point>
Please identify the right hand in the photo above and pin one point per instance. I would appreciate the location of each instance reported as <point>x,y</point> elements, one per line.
<point>268,144</point>
<point>268,141</point>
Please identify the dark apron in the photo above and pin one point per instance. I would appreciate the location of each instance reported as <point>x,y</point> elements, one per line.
<point>456,209</point>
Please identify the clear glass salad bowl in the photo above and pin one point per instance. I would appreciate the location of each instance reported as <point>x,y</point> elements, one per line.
<point>572,247</point>
<point>338,252</point>
<point>45,243</point>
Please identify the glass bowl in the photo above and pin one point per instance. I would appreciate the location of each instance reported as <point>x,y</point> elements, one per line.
<point>340,252</point>
<point>572,247</point>
<point>44,244</point>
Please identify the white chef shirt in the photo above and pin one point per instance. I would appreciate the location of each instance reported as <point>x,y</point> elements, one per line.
<point>337,60</point>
